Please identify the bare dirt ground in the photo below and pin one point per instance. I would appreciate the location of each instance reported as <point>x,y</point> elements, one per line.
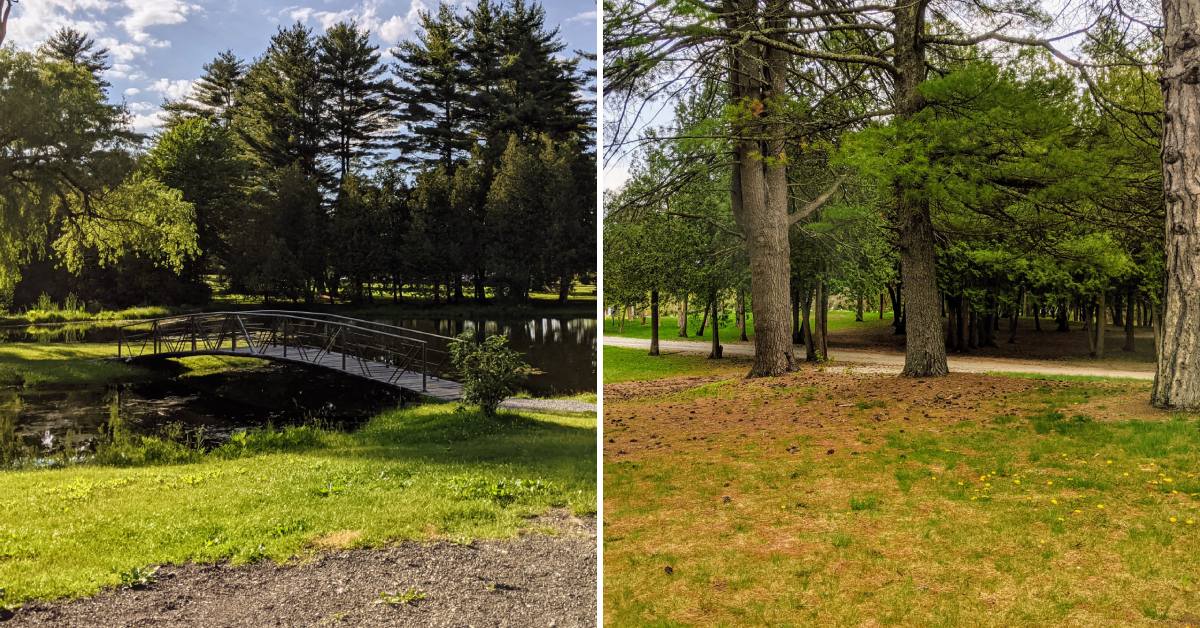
<point>536,579</point>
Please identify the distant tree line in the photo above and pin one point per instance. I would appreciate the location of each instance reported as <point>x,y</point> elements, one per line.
<point>465,167</point>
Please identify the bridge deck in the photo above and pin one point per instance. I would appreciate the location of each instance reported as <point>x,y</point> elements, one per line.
<point>437,388</point>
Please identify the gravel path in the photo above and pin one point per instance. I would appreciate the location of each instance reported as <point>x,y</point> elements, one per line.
<point>894,362</point>
<point>548,405</point>
<point>534,580</point>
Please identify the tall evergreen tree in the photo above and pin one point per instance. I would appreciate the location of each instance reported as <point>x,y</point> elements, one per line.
<point>432,91</point>
<point>280,104</point>
<point>352,83</point>
<point>215,94</point>
<point>77,48</point>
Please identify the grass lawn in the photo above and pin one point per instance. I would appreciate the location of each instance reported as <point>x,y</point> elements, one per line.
<point>623,365</point>
<point>37,364</point>
<point>824,498</point>
<point>421,473</point>
<point>668,326</point>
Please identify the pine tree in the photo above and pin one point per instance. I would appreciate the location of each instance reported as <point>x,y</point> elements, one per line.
<point>514,216</point>
<point>278,117</point>
<point>432,91</point>
<point>355,104</point>
<point>77,48</point>
<point>214,94</point>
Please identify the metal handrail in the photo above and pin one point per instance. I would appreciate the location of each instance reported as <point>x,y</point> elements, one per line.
<point>203,332</point>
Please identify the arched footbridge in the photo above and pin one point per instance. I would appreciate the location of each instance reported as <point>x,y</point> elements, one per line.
<point>403,358</point>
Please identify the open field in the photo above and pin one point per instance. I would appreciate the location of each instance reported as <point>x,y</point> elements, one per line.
<point>668,326</point>
<point>426,473</point>
<point>826,498</point>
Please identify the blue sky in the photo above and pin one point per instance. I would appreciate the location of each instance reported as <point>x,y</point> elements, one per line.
<point>159,46</point>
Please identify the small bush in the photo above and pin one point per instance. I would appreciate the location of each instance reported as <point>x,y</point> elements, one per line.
<point>490,370</point>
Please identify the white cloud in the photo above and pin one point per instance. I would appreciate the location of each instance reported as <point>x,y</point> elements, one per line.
<point>171,89</point>
<point>144,14</point>
<point>144,117</point>
<point>586,16</point>
<point>132,91</point>
<point>35,20</point>
<point>389,26</point>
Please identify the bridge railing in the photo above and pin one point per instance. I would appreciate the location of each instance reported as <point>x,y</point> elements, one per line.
<point>351,345</point>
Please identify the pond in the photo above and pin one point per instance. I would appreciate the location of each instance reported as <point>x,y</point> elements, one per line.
<point>562,349</point>
<point>205,408</point>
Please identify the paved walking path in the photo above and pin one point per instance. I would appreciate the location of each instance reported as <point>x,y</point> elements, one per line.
<point>884,362</point>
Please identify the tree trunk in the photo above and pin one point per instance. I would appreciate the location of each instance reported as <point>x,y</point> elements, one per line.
<point>1177,377</point>
<point>703,322</point>
<point>683,316</point>
<point>881,297</point>
<point>858,314</point>
<point>5,9</point>
<point>820,323</point>
<point>654,322</point>
<point>741,314</point>
<point>1061,317</point>
<point>717,349</point>
<point>760,188</point>
<point>564,287</point>
<point>925,344</point>
<point>797,326</point>
<point>480,289</point>
<point>1098,331</point>
<point>810,349</point>
<point>1130,314</point>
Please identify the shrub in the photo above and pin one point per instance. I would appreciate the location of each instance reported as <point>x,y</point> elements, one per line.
<point>490,370</point>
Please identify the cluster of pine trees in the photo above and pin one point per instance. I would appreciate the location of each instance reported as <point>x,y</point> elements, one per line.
<point>463,168</point>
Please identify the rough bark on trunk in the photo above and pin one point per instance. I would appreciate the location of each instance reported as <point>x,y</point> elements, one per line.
<point>654,322</point>
<point>858,314</point>
<point>1061,318</point>
<point>1177,377</point>
<point>761,207</point>
<point>881,297</point>
<point>797,326</point>
<point>925,344</point>
<point>703,322</point>
<point>1101,315</point>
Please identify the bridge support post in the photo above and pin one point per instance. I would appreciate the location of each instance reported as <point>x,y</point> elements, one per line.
<point>424,369</point>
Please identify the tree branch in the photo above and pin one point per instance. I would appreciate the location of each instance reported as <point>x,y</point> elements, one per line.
<point>816,203</point>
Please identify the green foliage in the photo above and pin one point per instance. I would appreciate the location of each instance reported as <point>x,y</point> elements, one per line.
<point>489,369</point>
<point>139,577</point>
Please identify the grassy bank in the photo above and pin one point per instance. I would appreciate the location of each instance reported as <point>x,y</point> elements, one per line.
<point>668,326</point>
<point>422,473</point>
<point>624,365</point>
<point>828,499</point>
<point>36,364</point>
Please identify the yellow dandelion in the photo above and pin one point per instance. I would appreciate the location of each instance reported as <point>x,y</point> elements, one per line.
<point>1126,474</point>
<point>1108,461</point>
<point>1173,520</point>
<point>1077,511</point>
<point>1054,501</point>
<point>1168,480</point>
<point>1191,521</point>
<point>1100,506</point>
<point>1016,481</point>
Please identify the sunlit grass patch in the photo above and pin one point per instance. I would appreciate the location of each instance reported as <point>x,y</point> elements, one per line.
<point>36,364</point>
<point>622,365</point>
<point>421,473</point>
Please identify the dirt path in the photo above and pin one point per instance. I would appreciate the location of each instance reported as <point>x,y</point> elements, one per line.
<point>548,405</point>
<point>536,579</point>
<point>886,362</point>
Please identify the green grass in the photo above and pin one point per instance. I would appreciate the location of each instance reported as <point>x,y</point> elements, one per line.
<point>1049,517</point>
<point>623,365</point>
<point>56,315</point>
<point>412,474</point>
<point>1063,378</point>
<point>668,326</point>
<point>36,364</point>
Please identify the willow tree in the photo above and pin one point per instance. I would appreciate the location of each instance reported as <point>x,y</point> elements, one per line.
<point>68,175</point>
